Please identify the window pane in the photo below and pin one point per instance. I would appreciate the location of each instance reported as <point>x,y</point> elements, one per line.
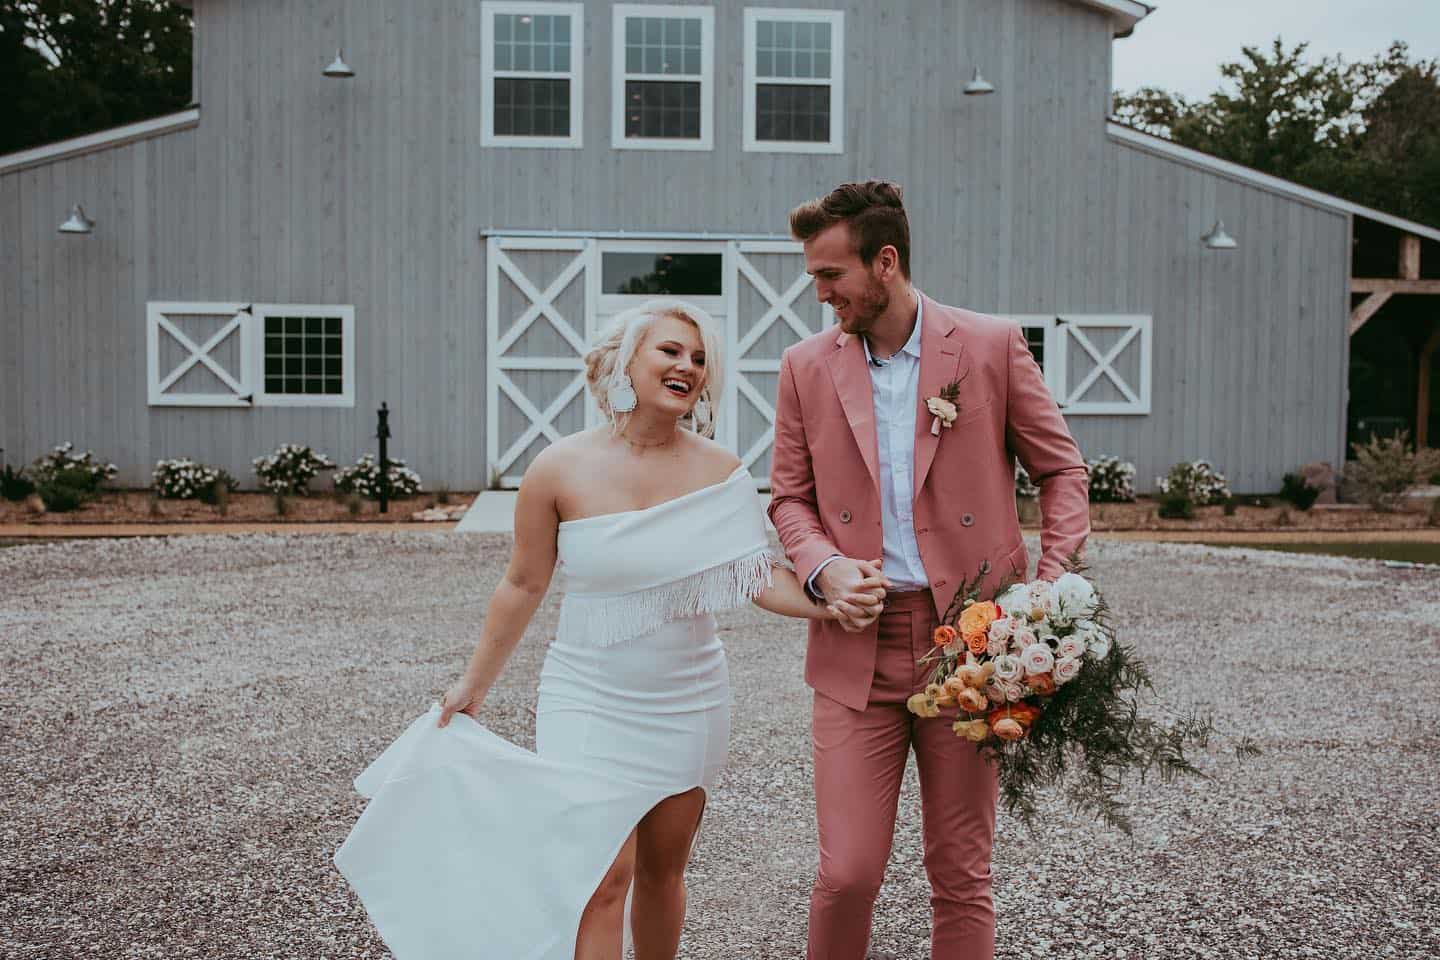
<point>677,274</point>
<point>528,107</point>
<point>273,325</point>
<point>692,33</point>
<point>562,58</point>
<point>765,34</point>
<point>691,66</point>
<point>522,57</point>
<point>765,63</point>
<point>658,108</point>
<point>822,66</point>
<point>562,29</point>
<point>504,27</point>
<point>1035,340</point>
<point>300,350</point>
<point>792,114</point>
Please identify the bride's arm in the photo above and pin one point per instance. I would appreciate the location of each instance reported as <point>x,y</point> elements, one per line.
<point>787,597</point>
<point>527,577</point>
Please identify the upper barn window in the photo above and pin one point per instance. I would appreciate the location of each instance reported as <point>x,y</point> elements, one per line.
<point>794,80</point>
<point>532,94</point>
<point>664,68</point>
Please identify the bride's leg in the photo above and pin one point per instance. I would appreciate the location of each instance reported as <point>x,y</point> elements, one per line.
<point>664,838</point>
<point>603,922</point>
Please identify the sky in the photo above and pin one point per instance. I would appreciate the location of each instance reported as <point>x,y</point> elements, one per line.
<point>1181,45</point>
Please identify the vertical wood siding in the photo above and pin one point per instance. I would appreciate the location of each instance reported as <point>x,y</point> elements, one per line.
<point>374,192</point>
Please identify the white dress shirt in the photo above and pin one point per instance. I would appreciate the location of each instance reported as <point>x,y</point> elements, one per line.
<point>895,385</point>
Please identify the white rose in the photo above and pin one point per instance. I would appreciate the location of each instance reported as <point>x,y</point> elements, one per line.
<point>1022,637</point>
<point>1037,659</point>
<point>1074,595</point>
<point>1042,596</point>
<point>1071,646</point>
<point>997,647</point>
<point>1100,645</point>
<point>995,690</point>
<point>1001,629</point>
<point>1066,669</point>
<point>1008,667</point>
<point>1015,600</point>
<point>1014,690</point>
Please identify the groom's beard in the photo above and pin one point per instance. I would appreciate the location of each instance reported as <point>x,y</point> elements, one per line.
<point>866,309</point>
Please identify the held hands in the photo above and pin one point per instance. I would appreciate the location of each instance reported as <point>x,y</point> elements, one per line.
<point>854,591</point>
<point>461,698</point>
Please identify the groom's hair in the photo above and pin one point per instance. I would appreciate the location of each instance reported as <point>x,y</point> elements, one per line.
<point>873,210</point>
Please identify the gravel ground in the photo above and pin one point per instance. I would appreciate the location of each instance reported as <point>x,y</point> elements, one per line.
<point>183,718</point>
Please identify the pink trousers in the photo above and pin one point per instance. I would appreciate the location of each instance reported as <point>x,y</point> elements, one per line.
<point>859,762</point>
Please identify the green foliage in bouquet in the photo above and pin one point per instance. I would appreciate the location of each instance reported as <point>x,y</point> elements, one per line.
<point>1085,734</point>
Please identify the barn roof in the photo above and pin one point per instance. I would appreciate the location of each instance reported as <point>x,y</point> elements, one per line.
<point>1124,13</point>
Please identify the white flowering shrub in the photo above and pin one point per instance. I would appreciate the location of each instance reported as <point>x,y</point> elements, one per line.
<point>364,478</point>
<point>291,468</point>
<point>1198,481</point>
<point>185,479</point>
<point>1024,487</point>
<point>1112,480</point>
<point>77,469</point>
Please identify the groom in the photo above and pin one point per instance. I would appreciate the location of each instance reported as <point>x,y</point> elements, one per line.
<point>863,468</point>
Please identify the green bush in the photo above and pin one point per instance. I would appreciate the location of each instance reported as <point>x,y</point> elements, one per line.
<point>67,488</point>
<point>14,485</point>
<point>1385,469</point>
<point>1294,489</point>
<point>1177,505</point>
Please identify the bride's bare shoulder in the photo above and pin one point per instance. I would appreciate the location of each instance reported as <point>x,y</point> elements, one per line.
<point>717,460</point>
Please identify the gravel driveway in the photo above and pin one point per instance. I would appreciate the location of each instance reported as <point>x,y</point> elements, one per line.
<point>182,719</point>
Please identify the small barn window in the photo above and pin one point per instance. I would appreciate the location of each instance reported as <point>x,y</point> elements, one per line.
<point>531,61</point>
<point>794,80</point>
<point>307,355</point>
<point>663,66</point>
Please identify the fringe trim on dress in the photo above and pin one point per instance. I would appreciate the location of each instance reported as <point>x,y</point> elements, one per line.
<point>602,621</point>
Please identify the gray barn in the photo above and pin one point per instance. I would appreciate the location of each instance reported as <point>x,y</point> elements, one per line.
<point>446,228</point>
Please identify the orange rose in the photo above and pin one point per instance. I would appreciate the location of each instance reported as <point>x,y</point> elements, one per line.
<point>1041,683</point>
<point>977,642</point>
<point>977,618</point>
<point>954,685</point>
<point>944,635</point>
<point>1022,713</point>
<point>1007,729</point>
<point>972,700</point>
<point>973,730</point>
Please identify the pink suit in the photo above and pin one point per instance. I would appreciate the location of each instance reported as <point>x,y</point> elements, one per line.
<point>826,501</point>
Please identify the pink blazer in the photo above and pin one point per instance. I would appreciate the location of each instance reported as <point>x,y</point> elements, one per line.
<point>824,474</point>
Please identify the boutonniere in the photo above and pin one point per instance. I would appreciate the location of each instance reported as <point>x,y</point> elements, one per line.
<point>944,408</point>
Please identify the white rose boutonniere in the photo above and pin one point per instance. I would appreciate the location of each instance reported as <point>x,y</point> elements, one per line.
<point>944,408</point>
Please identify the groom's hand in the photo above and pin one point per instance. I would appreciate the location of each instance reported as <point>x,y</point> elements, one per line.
<point>854,589</point>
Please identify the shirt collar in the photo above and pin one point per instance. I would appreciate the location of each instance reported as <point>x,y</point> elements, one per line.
<point>912,346</point>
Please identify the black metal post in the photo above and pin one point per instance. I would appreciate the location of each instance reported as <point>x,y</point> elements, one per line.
<point>382,432</point>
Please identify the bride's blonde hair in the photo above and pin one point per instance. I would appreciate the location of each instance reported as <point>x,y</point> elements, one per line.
<point>612,352</point>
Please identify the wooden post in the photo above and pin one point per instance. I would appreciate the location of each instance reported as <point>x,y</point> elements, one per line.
<point>1409,257</point>
<point>1422,404</point>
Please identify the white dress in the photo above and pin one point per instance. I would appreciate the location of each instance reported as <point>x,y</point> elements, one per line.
<point>472,847</point>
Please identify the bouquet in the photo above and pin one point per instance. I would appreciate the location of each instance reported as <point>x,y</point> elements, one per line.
<point>1039,683</point>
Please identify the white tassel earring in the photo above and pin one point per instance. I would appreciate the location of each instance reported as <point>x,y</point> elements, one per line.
<point>622,394</point>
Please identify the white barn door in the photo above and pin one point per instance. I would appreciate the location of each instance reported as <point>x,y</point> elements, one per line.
<point>773,305</point>
<point>547,298</point>
<point>538,297</point>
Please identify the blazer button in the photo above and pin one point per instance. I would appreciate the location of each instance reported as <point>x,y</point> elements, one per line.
<point>844,516</point>
<point>967,520</point>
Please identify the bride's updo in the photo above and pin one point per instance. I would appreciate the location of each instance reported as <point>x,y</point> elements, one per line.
<point>610,358</point>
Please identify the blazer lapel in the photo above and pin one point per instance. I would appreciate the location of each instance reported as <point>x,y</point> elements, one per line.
<point>852,383</point>
<point>940,353</point>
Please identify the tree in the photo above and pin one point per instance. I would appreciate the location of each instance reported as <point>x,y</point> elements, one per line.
<point>1369,132</point>
<point>72,67</point>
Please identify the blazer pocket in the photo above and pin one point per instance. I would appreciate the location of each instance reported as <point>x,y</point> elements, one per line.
<point>970,414</point>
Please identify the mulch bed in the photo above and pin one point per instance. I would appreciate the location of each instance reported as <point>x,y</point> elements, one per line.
<point>138,506</point>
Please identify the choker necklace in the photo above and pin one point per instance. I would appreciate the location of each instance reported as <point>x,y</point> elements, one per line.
<point>658,443</point>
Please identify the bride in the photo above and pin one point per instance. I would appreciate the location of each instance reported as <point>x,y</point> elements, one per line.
<point>473,847</point>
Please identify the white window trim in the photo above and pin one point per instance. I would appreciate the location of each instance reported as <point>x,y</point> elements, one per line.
<point>1060,330</point>
<point>1072,326</point>
<point>347,355</point>
<point>157,324</point>
<point>836,83</point>
<point>576,74</point>
<point>706,15</point>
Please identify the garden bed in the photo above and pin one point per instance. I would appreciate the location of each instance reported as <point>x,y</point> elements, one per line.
<point>141,507</point>
<point>1144,514</point>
